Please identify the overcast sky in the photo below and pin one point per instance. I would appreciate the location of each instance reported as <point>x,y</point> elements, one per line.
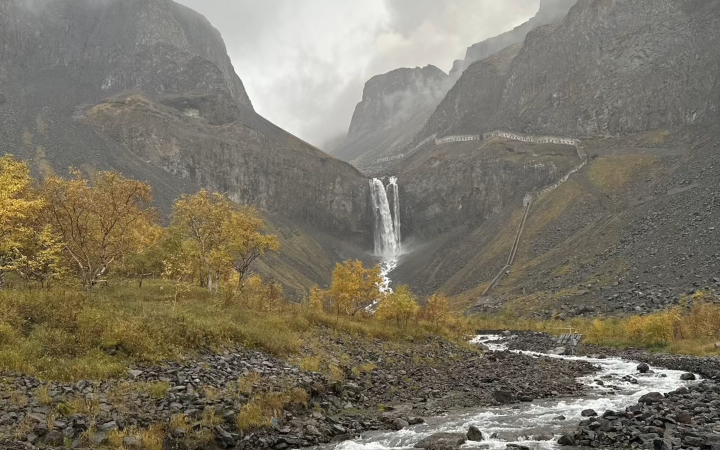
<point>304,62</point>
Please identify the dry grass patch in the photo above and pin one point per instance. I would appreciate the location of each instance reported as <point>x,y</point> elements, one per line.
<point>693,327</point>
<point>612,173</point>
<point>261,409</point>
<point>246,384</point>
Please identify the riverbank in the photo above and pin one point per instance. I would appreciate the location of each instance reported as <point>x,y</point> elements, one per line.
<point>250,400</point>
<point>707,367</point>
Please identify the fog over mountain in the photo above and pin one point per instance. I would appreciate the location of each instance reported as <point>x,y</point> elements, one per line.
<point>304,64</point>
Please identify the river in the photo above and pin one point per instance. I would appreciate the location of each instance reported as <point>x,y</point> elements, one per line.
<point>536,425</point>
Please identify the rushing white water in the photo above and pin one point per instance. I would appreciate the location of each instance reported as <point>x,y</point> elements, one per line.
<point>387,226</point>
<point>525,422</point>
<point>396,209</point>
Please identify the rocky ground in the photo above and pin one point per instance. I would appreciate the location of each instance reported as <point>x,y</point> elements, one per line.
<point>373,385</point>
<point>687,418</point>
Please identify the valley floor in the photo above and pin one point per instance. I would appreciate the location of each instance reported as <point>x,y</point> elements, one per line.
<point>249,399</point>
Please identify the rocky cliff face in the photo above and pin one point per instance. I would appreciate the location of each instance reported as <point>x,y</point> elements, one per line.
<point>145,87</point>
<point>609,67</point>
<point>191,117</point>
<point>467,183</point>
<point>550,11</point>
<point>394,108</point>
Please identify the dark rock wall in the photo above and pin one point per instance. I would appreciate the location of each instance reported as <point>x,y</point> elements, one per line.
<point>177,115</point>
<point>611,67</point>
<point>550,11</point>
<point>394,108</point>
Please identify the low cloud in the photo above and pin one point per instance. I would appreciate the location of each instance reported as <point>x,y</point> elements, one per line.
<point>304,63</point>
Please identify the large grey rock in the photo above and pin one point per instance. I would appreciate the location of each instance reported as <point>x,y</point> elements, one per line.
<point>651,398</point>
<point>442,441</point>
<point>474,434</point>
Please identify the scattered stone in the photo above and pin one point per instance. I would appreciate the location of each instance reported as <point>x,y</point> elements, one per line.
<point>99,438</point>
<point>442,441</point>
<point>474,434</point>
<point>652,397</point>
<point>54,439</point>
<point>503,396</point>
<point>398,424</point>
<point>131,442</point>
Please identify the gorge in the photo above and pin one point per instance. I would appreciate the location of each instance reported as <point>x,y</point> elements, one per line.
<point>146,88</point>
<point>177,272</point>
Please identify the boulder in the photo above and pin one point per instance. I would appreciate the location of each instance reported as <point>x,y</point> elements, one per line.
<point>398,424</point>
<point>589,413</point>
<point>566,439</point>
<point>688,377</point>
<point>503,396</point>
<point>442,441</point>
<point>54,439</point>
<point>652,397</point>
<point>643,368</point>
<point>474,434</point>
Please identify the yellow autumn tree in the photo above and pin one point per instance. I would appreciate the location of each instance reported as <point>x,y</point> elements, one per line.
<point>20,208</point>
<point>35,255</point>
<point>146,259</point>
<point>400,306</point>
<point>354,287</point>
<point>437,310</point>
<point>220,236</point>
<point>98,219</point>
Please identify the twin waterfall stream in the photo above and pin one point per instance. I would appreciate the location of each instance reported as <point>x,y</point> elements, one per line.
<point>388,243</point>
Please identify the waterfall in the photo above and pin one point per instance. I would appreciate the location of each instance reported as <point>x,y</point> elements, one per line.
<point>396,209</point>
<point>387,227</point>
<point>387,224</point>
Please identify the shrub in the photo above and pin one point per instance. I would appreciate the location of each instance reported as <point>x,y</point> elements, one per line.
<point>399,306</point>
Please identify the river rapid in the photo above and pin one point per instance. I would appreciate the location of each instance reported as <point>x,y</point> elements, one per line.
<point>539,424</point>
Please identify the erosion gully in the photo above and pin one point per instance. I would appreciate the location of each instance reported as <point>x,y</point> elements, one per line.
<point>536,425</point>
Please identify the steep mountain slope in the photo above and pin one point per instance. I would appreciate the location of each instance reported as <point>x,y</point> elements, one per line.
<point>634,229</point>
<point>550,11</point>
<point>394,108</point>
<point>145,87</point>
<point>396,105</point>
<point>609,67</point>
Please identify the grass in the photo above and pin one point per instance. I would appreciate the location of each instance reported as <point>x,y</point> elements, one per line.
<point>66,335</point>
<point>261,409</point>
<point>692,328</point>
<point>612,173</point>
